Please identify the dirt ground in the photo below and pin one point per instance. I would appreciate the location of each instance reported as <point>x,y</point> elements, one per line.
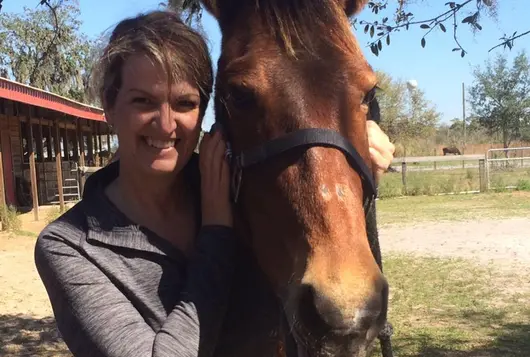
<point>26,323</point>
<point>502,246</point>
<point>503,242</point>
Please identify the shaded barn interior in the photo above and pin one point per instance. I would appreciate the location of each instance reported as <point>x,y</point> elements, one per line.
<point>41,132</point>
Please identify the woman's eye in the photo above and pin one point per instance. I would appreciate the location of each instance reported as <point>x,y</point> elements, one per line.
<point>141,100</point>
<point>188,104</point>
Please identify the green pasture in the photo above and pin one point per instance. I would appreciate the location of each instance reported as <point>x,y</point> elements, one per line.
<point>450,181</point>
<point>452,308</point>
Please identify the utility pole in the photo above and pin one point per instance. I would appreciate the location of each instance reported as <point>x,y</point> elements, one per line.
<point>464,117</point>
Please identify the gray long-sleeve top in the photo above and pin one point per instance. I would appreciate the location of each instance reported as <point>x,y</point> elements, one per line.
<point>119,290</point>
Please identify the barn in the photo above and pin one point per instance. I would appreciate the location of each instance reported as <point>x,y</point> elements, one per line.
<point>46,141</point>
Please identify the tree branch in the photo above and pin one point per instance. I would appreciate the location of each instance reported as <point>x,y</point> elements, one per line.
<point>50,45</point>
<point>403,21</point>
<point>455,26</point>
<point>508,41</point>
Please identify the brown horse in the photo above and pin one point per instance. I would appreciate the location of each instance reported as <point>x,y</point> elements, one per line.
<point>287,66</point>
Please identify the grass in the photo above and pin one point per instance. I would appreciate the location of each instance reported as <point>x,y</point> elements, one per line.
<point>442,307</point>
<point>453,207</point>
<point>52,214</point>
<point>10,219</point>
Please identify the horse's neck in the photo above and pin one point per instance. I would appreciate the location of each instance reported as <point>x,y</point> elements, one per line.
<point>252,320</point>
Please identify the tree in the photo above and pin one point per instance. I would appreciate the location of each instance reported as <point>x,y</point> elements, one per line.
<point>34,52</point>
<point>500,97</point>
<point>406,114</point>
<point>452,134</point>
<point>394,16</point>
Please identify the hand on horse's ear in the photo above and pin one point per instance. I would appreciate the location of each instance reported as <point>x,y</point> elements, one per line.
<point>352,7</point>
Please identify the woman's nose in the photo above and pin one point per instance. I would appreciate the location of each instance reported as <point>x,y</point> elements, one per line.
<point>167,121</point>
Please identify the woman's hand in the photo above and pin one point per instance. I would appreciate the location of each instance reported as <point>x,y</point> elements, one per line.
<point>215,181</point>
<point>381,149</point>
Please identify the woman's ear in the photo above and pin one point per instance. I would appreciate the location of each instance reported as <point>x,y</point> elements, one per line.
<point>352,7</point>
<point>109,118</point>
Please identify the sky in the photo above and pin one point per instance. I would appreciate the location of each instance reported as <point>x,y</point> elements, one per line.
<point>438,71</point>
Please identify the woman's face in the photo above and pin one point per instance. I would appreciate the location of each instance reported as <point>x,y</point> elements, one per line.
<point>157,122</point>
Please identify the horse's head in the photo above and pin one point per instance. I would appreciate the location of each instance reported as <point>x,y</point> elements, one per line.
<point>288,65</point>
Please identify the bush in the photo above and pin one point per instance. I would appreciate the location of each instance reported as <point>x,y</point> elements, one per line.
<point>10,219</point>
<point>523,185</point>
<point>53,213</point>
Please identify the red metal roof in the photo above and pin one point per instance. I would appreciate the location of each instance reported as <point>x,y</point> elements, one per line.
<point>33,96</point>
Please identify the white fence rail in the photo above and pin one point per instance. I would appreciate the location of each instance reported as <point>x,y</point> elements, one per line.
<point>497,168</point>
<point>441,166</point>
<point>513,161</point>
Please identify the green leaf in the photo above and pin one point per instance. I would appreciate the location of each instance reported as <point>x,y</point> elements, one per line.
<point>442,27</point>
<point>468,19</point>
<point>425,26</point>
<point>388,39</point>
<point>375,49</point>
<point>423,42</point>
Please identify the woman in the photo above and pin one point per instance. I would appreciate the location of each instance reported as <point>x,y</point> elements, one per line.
<point>147,254</point>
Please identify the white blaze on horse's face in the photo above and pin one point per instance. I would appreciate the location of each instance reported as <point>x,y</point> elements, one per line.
<point>304,208</point>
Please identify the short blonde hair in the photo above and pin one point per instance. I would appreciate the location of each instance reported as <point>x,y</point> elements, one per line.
<point>166,40</point>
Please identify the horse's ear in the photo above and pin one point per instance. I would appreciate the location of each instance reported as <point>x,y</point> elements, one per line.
<point>212,6</point>
<point>352,7</point>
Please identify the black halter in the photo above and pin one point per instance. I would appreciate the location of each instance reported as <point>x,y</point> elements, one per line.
<point>313,137</point>
<point>303,138</point>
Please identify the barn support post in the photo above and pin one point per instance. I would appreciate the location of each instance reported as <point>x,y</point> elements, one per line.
<point>404,176</point>
<point>2,187</point>
<point>90,144</point>
<point>2,184</point>
<point>32,170</point>
<point>41,178</point>
<point>59,166</point>
<point>482,175</point>
<point>81,140</point>
<point>98,145</point>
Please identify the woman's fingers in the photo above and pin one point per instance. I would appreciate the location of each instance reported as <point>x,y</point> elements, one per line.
<point>381,145</point>
<point>215,179</point>
<point>218,156</point>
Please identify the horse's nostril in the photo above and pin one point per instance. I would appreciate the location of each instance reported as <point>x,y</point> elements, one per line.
<point>318,312</point>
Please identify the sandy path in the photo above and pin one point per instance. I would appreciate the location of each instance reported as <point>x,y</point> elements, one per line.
<point>505,243</point>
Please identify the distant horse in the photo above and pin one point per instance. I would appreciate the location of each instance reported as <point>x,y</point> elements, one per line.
<point>451,150</point>
<point>293,91</point>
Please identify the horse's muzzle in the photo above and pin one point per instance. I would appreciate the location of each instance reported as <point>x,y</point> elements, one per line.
<point>319,319</point>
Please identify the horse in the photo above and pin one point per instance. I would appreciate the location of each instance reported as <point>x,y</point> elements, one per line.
<point>451,150</point>
<point>292,95</point>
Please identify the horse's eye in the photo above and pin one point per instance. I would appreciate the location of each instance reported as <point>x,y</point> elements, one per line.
<point>370,95</point>
<point>240,96</point>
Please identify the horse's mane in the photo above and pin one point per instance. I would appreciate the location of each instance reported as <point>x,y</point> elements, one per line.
<point>295,22</point>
